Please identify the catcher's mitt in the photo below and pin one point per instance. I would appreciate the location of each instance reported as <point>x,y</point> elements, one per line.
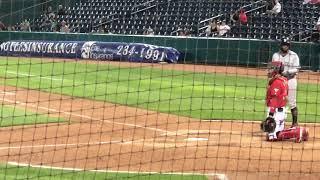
<point>269,125</point>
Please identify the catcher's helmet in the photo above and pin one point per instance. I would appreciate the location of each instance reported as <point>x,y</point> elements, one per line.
<point>275,67</point>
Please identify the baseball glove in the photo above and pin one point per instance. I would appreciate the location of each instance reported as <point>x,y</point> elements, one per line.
<point>269,125</point>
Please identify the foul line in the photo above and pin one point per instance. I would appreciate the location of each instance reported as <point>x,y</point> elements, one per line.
<point>37,76</point>
<point>219,176</point>
<point>142,142</point>
<point>62,145</point>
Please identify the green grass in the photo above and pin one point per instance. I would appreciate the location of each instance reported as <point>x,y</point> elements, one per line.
<point>15,172</point>
<point>198,95</point>
<point>12,116</point>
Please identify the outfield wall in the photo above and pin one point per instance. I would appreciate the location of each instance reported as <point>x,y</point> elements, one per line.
<point>220,51</point>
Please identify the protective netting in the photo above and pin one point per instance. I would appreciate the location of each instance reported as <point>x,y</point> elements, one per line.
<point>111,106</point>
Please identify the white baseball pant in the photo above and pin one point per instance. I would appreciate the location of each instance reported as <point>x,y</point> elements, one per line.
<point>292,93</point>
<point>279,117</point>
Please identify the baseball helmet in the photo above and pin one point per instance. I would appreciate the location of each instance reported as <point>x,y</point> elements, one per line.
<point>275,67</point>
<point>285,41</point>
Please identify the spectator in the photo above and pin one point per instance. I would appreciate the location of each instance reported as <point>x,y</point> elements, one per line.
<point>208,30</point>
<point>61,10</point>
<point>110,32</point>
<point>46,25</point>
<point>50,13</point>
<point>145,30</point>
<point>101,29</point>
<point>181,32</point>
<point>311,2</point>
<point>54,25</point>
<point>193,30</point>
<point>235,16</point>
<point>276,9</point>
<point>187,32</point>
<point>223,29</point>
<point>17,27</point>
<point>64,27</point>
<point>150,31</point>
<point>239,16</point>
<point>176,32</point>
<point>315,37</point>
<point>25,26</point>
<point>11,28</point>
<point>243,17</point>
<point>212,29</point>
<point>2,26</point>
<point>22,26</point>
<point>34,26</point>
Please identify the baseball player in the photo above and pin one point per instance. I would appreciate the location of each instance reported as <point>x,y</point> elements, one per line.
<point>276,100</point>
<point>291,64</point>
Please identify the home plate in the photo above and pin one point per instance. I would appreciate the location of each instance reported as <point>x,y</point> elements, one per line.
<point>196,139</point>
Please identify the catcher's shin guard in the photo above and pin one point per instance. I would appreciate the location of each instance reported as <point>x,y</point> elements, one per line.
<point>298,133</point>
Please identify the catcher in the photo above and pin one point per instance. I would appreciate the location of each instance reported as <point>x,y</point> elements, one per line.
<point>276,100</point>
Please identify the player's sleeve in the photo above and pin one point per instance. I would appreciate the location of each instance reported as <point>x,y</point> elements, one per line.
<point>275,57</point>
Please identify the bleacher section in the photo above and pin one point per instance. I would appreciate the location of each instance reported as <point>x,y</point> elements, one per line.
<point>166,16</point>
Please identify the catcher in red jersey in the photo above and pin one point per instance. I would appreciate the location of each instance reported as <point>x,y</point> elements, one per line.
<point>276,100</point>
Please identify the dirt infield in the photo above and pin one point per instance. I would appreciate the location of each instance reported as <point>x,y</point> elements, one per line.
<point>105,136</point>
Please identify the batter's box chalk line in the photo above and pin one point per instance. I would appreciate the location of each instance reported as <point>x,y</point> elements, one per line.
<point>7,93</point>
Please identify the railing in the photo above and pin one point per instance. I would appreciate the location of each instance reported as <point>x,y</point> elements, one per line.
<point>206,20</point>
<point>251,10</point>
<point>256,2</point>
<point>201,26</point>
<point>140,10</point>
<point>299,35</point>
<point>135,10</point>
<point>144,6</point>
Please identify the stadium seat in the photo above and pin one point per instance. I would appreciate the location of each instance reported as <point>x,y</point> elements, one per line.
<point>295,16</point>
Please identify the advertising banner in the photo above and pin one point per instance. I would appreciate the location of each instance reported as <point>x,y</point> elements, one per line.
<point>113,51</point>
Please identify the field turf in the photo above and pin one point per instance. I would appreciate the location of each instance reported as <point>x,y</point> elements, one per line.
<point>185,93</point>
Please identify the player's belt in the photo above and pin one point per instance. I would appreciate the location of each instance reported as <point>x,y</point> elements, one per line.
<point>280,109</point>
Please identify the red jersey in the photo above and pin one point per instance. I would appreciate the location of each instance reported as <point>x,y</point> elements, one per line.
<point>243,17</point>
<point>277,93</point>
